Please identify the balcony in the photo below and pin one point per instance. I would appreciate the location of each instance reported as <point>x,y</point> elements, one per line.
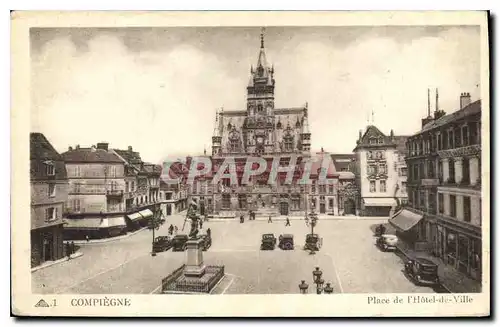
<point>114,193</point>
<point>470,150</point>
<point>429,182</point>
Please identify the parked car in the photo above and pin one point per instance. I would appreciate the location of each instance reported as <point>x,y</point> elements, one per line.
<point>179,242</point>
<point>422,271</point>
<point>268,242</point>
<point>387,242</point>
<point>286,242</point>
<point>162,243</point>
<point>313,242</point>
<point>206,241</point>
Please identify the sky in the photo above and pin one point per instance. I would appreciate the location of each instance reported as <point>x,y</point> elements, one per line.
<point>157,89</point>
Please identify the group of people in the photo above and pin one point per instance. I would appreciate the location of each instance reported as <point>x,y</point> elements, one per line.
<point>70,248</point>
<point>172,229</point>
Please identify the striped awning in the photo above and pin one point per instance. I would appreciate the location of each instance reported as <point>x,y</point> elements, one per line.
<point>379,202</point>
<point>146,213</point>
<point>405,220</point>
<point>134,216</point>
<point>94,223</point>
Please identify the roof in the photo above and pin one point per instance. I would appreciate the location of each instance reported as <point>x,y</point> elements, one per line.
<point>41,153</point>
<point>152,168</point>
<point>471,109</point>
<point>41,149</point>
<point>129,156</point>
<point>387,141</point>
<point>90,155</point>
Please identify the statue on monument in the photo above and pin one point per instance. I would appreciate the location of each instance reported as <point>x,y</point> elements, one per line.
<point>194,216</point>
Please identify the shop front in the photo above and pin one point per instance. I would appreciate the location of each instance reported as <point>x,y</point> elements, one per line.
<point>460,248</point>
<point>378,207</point>
<point>408,228</point>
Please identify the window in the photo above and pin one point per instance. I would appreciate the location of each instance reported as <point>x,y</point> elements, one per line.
<point>52,190</point>
<point>451,171</point>
<point>465,171</point>
<point>404,171</point>
<point>372,186</point>
<point>430,169</point>
<point>226,201</point>
<point>49,169</point>
<point>440,171</point>
<point>50,214</point>
<point>473,139</point>
<point>76,205</point>
<point>330,202</point>
<point>383,169</point>
<point>322,189</point>
<point>421,200</point>
<point>441,203</point>
<point>467,209</point>
<point>382,186</point>
<point>403,187</point>
<point>373,140</point>
<point>313,187</point>
<point>330,189</point>
<point>370,155</point>
<point>453,206</point>
<point>288,144</point>
<point>465,135</point>
<point>372,169</point>
<point>439,142</point>
<point>450,139</point>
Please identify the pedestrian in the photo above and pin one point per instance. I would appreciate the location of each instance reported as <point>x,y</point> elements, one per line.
<point>209,232</point>
<point>171,229</point>
<point>287,221</point>
<point>87,238</point>
<point>72,247</point>
<point>201,224</point>
<point>68,250</point>
<point>269,220</point>
<point>307,221</point>
<point>242,219</point>
<point>176,229</point>
<point>381,229</point>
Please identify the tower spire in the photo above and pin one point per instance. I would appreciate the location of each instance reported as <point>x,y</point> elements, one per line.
<point>437,100</point>
<point>262,38</point>
<point>428,103</point>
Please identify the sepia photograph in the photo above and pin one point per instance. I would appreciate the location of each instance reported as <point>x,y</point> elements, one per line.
<point>277,155</point>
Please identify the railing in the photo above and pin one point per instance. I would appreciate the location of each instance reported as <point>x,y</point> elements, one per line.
<point>197,286</point>
<point>113,192</point>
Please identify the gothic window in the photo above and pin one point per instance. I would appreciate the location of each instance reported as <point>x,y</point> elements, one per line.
<point>297,124</point>
<point>228,125</point>
<point>260,108</point>
<point>278,125</point>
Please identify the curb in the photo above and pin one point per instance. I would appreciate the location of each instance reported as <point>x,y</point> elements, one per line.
<point>105,240</point>
<point>73,256</point>
<point>408,257</point>
<point>320,218</point>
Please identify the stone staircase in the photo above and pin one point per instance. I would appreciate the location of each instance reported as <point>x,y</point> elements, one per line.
<point>266,212</point>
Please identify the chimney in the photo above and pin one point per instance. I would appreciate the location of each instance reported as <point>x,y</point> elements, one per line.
<point>77,147</point>
<point>360,135</point>
<point>392,133</point>
<point>102,146</point>
<point>70,148</point>
<point>464,100</point>
<point>130,148</point>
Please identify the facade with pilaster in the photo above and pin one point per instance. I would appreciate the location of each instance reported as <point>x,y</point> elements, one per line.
<point>444,186</point>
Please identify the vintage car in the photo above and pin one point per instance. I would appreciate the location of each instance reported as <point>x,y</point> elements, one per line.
<point>206,241</point>
<point>286,242</point>
<point>313,242</point>
<point>422,271</point>
<point>179,242</point>
<point>387,242</point>
<point>162,243</point>
<point>268,242</point>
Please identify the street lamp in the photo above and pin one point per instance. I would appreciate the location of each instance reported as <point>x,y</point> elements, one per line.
<point>303,286</point>
<point>328,289</point>
<point>317,273</point>
<point>314,219</point>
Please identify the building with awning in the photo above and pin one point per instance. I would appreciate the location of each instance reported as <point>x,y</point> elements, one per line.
<point>94,227</point>
<point>379,206</point>
<point>146,213</point>
<point>405,220</point>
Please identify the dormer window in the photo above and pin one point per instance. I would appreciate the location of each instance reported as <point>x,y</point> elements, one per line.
<point>49,168</point>
<point>380,140</point>
<point>373,140</point>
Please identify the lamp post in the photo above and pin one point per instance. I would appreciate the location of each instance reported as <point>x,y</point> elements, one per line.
<point>303,286</point>
<point>317,273</point>
<point>314,220</point>
<point>154,224</point>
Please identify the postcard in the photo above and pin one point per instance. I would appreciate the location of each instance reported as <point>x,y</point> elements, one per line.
<point>250,164</point>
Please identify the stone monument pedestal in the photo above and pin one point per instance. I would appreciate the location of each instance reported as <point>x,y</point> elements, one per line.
<point>194,265</point>
<point>194,276</point>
